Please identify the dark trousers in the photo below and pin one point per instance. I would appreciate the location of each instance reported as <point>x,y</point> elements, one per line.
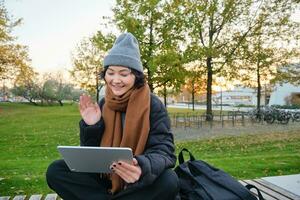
<point>89,186</point>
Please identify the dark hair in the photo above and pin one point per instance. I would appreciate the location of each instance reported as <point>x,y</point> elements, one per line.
<point>140,79</point>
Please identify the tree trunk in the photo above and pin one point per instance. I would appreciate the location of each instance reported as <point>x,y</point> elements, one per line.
<point>209,89</point>
<point>258,87</point>
<point>150,83</point>
<point>32,102</point>
<point>97,88</point>
<point>60,102</point>
<point>165,95</point>
<point>150,53</point>
<point>193,95</point>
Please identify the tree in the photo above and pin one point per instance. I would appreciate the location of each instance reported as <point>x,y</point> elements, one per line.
<point>13,57</point>
<point>169,73</point>
<point>56,89</point>
<point>29,92</point>
<point>75,94</point>
<point>268,46</point>
<point>288,73</point>
<point>50,88</point>
<point>216,30</point>
<point>155,25</point>
<point>87,62</point>
<point>196,80</point>
<point>25,84</point>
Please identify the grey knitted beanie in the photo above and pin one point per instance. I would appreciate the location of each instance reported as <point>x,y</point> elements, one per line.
<point>125,52</point>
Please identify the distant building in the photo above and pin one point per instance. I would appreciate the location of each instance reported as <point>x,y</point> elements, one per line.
<point>285,94</point>
<point>240,96</point>
<point>237,96</point>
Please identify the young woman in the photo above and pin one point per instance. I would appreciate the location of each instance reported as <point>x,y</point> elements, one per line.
<point>128,116</point>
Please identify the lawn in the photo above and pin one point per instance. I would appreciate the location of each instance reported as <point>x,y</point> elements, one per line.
<point>189,110</point>
<point>29,136</point>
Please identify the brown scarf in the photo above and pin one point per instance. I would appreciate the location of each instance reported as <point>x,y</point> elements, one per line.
<point>136,104</point>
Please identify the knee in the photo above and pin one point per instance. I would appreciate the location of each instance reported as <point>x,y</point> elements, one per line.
<point>54,171</point>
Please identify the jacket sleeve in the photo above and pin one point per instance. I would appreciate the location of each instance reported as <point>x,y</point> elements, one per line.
<point>159,151</point>
<point>90,135</point>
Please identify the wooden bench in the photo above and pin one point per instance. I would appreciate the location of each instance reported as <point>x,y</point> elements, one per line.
<point>268,190</point>
<point>271,191</point>
<point>32,197</point>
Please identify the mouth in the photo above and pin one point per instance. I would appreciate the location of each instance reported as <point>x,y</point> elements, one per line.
<point>117,87</point>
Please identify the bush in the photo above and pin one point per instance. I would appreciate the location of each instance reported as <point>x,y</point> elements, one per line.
<point>286,106</point>
<point>244,105</point>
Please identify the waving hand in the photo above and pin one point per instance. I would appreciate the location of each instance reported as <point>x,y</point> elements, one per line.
<point>90,112</point>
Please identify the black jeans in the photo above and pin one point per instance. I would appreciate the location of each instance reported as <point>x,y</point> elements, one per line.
<point>89,186</point>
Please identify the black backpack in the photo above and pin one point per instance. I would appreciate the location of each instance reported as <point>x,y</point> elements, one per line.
<point>199,180</point>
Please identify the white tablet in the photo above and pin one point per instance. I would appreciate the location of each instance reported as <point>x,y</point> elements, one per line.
<point>94,159</point>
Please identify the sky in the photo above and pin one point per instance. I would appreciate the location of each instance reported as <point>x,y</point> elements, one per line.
<point>52,28</point>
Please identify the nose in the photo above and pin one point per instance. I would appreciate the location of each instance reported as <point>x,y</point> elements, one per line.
<point>116,80</point>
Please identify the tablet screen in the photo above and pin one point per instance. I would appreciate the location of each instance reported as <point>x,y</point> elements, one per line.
<point>94,159</point>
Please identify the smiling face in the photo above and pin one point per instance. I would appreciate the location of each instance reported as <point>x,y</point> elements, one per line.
<point>119,79</point>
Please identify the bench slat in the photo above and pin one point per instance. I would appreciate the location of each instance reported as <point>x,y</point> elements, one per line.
<point>19,197</point>
<point>267,190</point>
<point>278,189</point>
<point>36,197</point>
<point>265,195</point>
<point>51,197</point>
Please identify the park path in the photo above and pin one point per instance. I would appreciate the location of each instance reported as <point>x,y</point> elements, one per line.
<point>215,131</point>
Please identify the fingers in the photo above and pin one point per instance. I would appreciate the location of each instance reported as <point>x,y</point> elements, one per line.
<point>125,176</point>
<point>129,167</point>
<point>84,102</point>
<point>97,108</point>
<point>135,162</point>
<point>81,104</point>
<point>130,173</point>
<point>85,98</point>
<point>89,111</point>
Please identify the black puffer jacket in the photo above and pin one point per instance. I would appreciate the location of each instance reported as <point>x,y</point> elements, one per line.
<point>159,150</point>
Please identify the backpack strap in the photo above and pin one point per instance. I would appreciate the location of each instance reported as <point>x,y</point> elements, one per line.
<point>250,186</point>
<point>180,156</point>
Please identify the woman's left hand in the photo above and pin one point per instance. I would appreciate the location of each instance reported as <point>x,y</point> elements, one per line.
<point>130,173</point>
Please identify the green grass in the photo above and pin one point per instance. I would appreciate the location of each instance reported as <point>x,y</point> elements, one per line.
<point>28,139</point>
<point>250,156</point>
<point>189,110</point>
<point>29,136</point>
<point>184,110</point>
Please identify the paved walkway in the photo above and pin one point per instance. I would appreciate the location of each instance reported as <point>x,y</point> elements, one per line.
<point>290,183</point>
<point>207,132</point>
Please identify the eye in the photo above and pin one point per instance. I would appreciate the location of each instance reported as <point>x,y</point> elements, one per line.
<point>125,74</point>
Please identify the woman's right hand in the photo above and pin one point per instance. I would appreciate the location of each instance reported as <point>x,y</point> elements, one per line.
<point>90,112</point>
